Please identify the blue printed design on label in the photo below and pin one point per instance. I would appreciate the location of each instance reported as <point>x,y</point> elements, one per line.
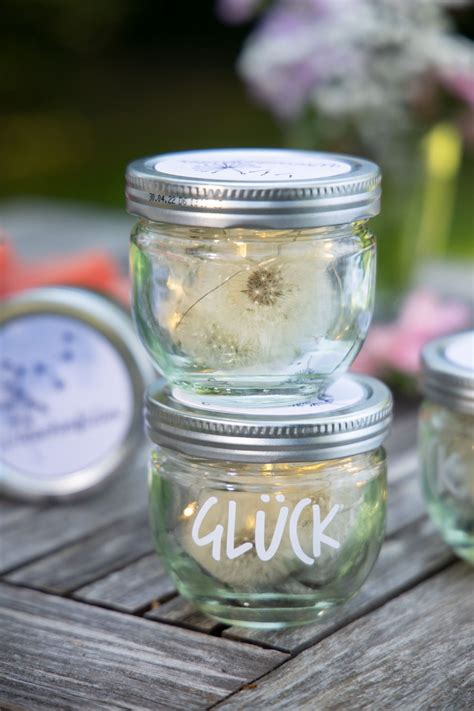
<point>252,165</point>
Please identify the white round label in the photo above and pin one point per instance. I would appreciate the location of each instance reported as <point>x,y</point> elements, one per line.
<point>461,351</point>
<point>345,392</point>
<point>66,399</point>
<point>251,165</point>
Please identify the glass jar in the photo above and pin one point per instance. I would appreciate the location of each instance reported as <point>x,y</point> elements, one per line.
<point>270,520</point>
<point>253,270</point>
<point>446,433</point>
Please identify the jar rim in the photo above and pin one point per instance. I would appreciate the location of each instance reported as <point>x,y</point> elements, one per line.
<point>254,188</point>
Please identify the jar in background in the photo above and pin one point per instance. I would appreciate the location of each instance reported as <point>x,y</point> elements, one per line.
<point>446,436</point>
<point>269,518</point>
<point>253,270</point>
<point>72,375</point>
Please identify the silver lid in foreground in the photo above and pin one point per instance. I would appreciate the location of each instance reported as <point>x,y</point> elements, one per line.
<point>447,375</point>
<point>72,375</point>
<point>353,416</point>
<point>254,188</point>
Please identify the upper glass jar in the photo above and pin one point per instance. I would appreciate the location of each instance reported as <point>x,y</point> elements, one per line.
<point>265,517</point>
<point>253,270</point>
<point>447,439</point>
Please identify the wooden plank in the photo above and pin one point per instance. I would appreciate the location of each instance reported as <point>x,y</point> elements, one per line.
<point>79,563</point>
<point>181,612</point>
<point>413,653</point>
<point>11,512</point>
<point>45,528</point>
<point>403,434</point>
<point>400,466</point>
<point>131,588</point>
<point>417,552</point>
<point>62,654</point>
<point>405,502</point>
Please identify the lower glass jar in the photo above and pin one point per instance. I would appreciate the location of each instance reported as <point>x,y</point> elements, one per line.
<point>269,543</point>
<point>446,439</point>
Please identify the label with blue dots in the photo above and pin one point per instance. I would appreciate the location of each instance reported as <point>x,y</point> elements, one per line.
<point>66,399</point>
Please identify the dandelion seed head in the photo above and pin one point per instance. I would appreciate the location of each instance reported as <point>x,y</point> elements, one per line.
<point>265,286</point>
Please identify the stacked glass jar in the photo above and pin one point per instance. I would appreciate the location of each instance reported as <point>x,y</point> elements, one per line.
<point>253,290</point>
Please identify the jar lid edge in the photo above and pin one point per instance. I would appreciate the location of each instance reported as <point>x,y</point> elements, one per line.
<point>254,188</point>
<point>219,435</point>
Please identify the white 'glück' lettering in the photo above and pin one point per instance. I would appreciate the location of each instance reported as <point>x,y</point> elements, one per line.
<point>267,554</point>
<point>318,528</point>
<point>215,536</point>
<point>294,540</point>
<point>233,551</point>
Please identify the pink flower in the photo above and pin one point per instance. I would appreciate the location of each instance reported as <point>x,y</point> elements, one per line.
<point>397,346</point>
<point>461,84</point>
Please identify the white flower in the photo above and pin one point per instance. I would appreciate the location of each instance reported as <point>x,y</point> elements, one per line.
<point>363,61</point>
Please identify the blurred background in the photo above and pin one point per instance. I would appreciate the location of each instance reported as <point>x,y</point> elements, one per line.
<point>87,87</point>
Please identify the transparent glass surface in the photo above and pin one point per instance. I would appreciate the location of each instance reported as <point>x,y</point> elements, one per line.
<point>447,474</point>
<point>268,545</point>
<point>245,312</point>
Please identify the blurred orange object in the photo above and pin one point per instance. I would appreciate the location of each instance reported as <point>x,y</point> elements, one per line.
<point>8,258</point>
<point>94,269</point>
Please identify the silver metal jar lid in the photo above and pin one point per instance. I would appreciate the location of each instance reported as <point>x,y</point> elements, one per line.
<point>353,416</point>
<point>447,375</point>
<point>72,375</point>
<point>256,188</point>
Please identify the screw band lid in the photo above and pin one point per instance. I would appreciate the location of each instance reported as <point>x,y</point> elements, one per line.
<point>254,188</point>
<point>447,373</point>
<point>351,417</point>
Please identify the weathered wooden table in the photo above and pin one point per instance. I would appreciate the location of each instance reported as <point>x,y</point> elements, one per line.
<point>90,620</point>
